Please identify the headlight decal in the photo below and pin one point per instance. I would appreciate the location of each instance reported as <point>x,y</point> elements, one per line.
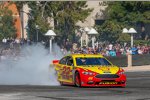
<point>88,73</point>
<point>121,71</point>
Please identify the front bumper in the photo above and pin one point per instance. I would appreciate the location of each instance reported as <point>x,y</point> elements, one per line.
<point>91,81</point>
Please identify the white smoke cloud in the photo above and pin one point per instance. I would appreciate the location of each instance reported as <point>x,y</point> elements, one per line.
<point>30,68</point>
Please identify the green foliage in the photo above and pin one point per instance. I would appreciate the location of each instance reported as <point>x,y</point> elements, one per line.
<point>67,16</point>
<point>64,13</point>
<point>19,4</point>
<point>124,37</point>
<point>129,12</point>
<point>7,28</point>
<point>109,31</point>
<point>121,14</point>
<point>141,42</point>
<point>36,19</point>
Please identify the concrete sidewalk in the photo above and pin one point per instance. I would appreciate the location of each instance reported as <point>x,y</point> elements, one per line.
<point>137,68</point>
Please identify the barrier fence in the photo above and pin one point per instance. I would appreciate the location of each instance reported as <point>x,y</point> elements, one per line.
<point>137,60</point>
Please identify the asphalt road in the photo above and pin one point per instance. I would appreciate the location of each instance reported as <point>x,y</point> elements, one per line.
<point>138,88</point>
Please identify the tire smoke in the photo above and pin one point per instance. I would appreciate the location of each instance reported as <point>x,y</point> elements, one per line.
<point>30,67</point>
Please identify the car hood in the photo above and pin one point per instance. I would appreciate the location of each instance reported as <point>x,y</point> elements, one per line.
<point>101,69</point>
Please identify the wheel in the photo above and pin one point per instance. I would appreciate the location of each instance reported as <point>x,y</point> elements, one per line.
<point>61,83</point>
<point>77,80</point>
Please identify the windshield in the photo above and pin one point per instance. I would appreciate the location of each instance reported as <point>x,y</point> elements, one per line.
<point>92,61</point>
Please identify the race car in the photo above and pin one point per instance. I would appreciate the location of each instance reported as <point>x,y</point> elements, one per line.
<point>88,70</point>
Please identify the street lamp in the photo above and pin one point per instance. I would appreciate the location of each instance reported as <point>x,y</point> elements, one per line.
<point>37,34</point>
<point>130,31</point>
<point>86,29</point>
<point>51,35</point>
<point>81,32</point>
<point>93,32</point>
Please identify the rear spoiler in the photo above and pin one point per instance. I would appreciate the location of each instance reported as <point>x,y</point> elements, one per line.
<point>54,62</point>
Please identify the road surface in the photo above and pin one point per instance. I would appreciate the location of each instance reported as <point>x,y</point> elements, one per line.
<point>138,88</point>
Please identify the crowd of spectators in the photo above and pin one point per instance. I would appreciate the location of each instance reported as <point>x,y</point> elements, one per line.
<point>110,49</point>
<point>11,47</point>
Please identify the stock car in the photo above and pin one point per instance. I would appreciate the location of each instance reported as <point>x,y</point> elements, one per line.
<point>88,70</point>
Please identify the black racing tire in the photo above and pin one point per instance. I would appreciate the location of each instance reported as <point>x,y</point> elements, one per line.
<point>61,83</point>
<point>77,80</point>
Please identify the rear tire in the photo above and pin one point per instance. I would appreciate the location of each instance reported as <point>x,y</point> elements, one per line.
<point>77,80</point>
<point>61,83</point>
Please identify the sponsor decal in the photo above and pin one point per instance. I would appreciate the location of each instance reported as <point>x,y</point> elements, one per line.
<point>108,83</point>
<point>105,70</point>
<point>90,78</point>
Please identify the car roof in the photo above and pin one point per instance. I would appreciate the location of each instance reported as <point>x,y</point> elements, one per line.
<point>85,55</point>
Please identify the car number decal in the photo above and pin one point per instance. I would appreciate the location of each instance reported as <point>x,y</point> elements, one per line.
<point>66,73</point>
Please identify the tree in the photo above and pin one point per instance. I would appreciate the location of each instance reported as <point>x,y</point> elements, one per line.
<point>7,28</point>
<point>124,14</point>
<point>109,31</point>
<point>129,13</point>
<point>38,17</point>
<point>65,15</point>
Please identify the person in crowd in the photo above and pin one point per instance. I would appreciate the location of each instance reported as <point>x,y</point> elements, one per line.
<point>110,46</point>
<point>112,53</point>
<point>140,51</point>
<point>105,49</point>
<point>118,53</point>
<point>134,50</point>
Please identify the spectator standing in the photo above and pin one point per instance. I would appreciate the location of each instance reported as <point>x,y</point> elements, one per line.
<point>4,40</point>
<point>134,50</point>
<point>110,46</point>
<point>112,53</point>
<point>140,51</point>
<point>118,53</point>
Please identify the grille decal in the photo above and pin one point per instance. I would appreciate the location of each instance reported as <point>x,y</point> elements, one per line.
<point>107,76</point>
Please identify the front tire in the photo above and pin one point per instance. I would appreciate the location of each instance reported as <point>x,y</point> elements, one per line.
<point>77,80</point>
<point>61,83</point>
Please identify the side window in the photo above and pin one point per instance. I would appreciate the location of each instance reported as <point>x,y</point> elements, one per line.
<point>69,61</point>
<point>63,61</point>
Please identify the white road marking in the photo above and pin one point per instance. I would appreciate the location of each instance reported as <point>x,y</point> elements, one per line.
<point>9,96</point>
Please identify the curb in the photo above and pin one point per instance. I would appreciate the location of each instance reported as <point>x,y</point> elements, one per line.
<point>137,68</point>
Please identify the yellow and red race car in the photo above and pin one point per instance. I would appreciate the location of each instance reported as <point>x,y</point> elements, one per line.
<point>88,70</point>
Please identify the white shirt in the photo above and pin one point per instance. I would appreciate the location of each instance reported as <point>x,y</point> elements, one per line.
<point>110,46</point>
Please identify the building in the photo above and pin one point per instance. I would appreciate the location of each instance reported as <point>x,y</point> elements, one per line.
<point>97,16</point>
<point>20,25</point>
<point>25,17</point>
<point>91,20</point>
